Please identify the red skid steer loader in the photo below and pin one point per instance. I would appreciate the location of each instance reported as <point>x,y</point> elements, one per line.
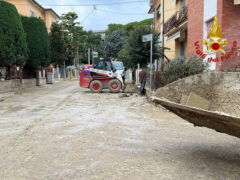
<point>101,75</point>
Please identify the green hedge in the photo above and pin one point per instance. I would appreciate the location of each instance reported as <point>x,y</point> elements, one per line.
<point>13,47</point>
<point>38,42</point>
<point>178,69</point>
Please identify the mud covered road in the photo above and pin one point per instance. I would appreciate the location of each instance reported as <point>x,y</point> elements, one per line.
<point>65,132</point>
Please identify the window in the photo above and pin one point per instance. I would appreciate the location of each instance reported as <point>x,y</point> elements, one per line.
<point>33,14</point>
<point>159,11</point>
<point>118,65</point>
<point>182,4</point>
<point>182,50</point>
<point>236,2</point>
<point>102,65</point>
<point>209,25</point>
<point>159,41</point>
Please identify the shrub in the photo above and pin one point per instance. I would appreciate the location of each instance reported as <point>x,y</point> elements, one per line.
<point>13,47</point>
<point>38,42</point>
<point>178,69</point>
<point>58,47</point>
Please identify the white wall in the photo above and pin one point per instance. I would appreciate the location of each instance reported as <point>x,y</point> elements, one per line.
<point>210,10</point>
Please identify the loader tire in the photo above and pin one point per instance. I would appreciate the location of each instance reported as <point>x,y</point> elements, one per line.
<point>114,86</point>
<point>96,86</point>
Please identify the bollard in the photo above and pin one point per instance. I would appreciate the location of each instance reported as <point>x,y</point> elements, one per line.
<point>38,79</point>
<point>50,78</point>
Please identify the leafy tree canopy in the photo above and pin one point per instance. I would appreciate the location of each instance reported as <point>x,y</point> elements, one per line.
<point>113,27</point>
<point>114,43</point>
<point>69,21</point>
<point>13,46</point>
<point>135,51</point>
<point>128,27</point>
<point>38,42</point>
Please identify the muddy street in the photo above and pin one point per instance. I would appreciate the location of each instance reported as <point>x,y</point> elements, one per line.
<point>65,132</point>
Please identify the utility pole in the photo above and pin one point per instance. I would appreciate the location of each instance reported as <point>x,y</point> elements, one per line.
<point>151,73</point>
<point>88,55</point>
<point>64,68</point>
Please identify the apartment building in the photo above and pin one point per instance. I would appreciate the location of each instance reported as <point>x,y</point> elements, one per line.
<point>34,9</point>
<point>172,25</point>
<point>192,21</point>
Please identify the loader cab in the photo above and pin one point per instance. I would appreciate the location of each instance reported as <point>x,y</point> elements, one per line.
<point>104,64</point>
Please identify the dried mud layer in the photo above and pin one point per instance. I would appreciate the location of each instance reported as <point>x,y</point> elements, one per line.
<point>222,90</point>
<point>65,132</point>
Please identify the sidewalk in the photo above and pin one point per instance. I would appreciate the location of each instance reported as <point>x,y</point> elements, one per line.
<point>12,92</point>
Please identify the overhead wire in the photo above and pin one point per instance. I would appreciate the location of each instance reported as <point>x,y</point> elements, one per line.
<point>88,15</point>
<point>100,4</point>
<point>119,13</point>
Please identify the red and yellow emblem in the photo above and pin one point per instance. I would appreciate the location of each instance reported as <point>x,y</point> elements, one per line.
<point>214,43</point>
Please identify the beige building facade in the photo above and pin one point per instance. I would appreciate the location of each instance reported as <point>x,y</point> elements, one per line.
<point>170,19</point>
<point>32,9</point>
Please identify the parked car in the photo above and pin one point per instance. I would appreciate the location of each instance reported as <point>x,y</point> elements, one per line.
<point>118,65</point>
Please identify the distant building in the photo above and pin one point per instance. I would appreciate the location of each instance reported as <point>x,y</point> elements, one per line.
<point>101,33</point>
<point>32,9</point>
<point>174,28</point>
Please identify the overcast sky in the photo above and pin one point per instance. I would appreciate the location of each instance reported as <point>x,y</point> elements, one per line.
<point>99,19</point>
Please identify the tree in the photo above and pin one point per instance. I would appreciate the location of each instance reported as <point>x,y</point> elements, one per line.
<point>38,42</point>
<point>135,51</point>
<point>133,25</point>
<point>85,40</point>
<point>114,43</point>
<point>124,56</point>
<point>13,46</point>
<point>113,27</point>
<point>58,46</point>
<point>128,27</point>
<point>68,21</point>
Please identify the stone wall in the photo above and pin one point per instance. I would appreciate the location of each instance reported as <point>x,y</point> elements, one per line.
<point>221,89</point>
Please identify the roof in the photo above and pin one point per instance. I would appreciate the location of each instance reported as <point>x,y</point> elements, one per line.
<point>152,6</point>
<point>48,9</point>
<point>99,31</point>
<point>151,10</point>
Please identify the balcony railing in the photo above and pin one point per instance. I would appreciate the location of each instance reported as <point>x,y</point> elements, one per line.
<point>177,19</point>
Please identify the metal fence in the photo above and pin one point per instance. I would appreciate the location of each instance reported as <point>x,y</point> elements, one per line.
<point>155,79</point>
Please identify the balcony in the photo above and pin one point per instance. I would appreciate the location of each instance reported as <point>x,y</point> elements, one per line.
<point>176,20</point>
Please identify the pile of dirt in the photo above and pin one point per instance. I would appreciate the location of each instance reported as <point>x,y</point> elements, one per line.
<point>218,90</point>
<point>130,87</point>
